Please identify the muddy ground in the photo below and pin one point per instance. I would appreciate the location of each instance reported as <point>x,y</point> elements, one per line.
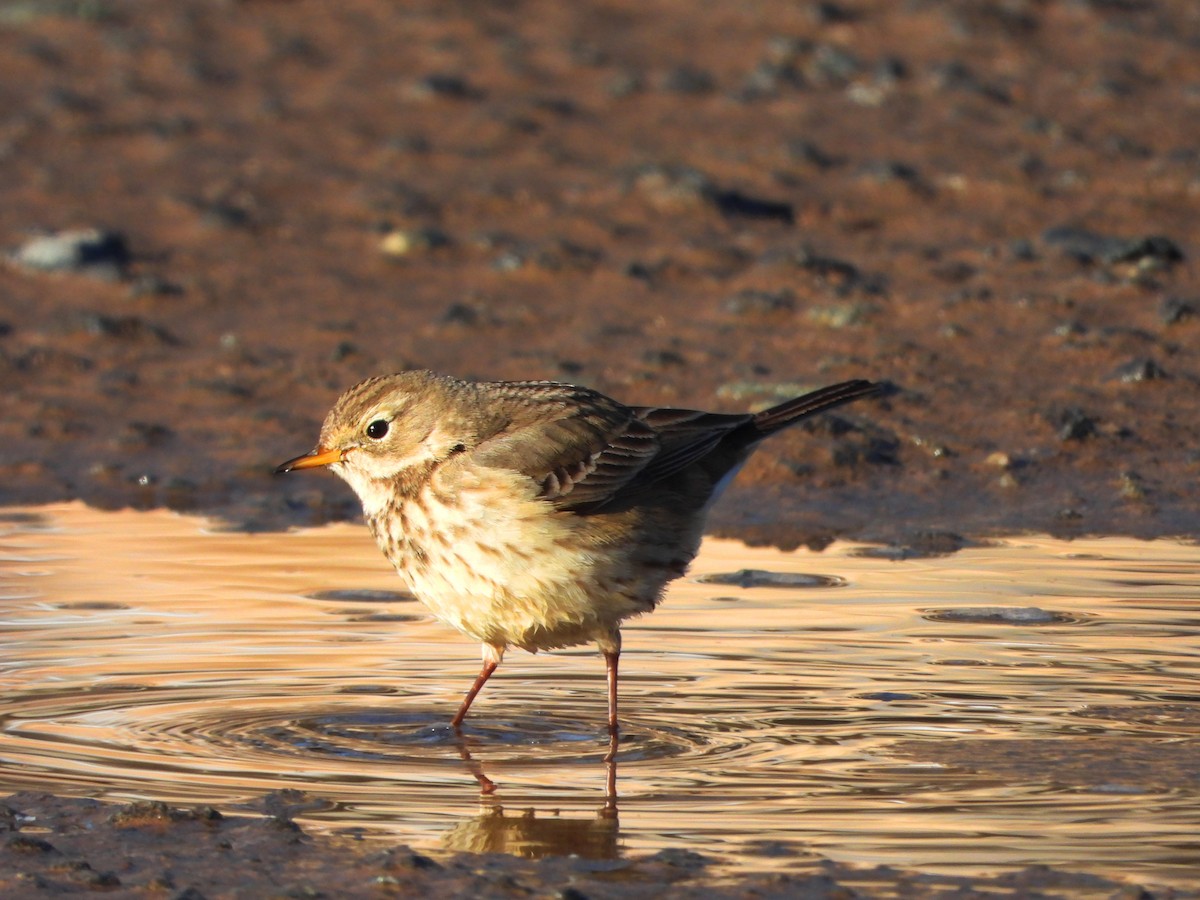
<point>989,206</point>
<point>56,845</point>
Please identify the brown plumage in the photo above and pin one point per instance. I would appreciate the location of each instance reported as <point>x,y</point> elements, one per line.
<point>538,514</point>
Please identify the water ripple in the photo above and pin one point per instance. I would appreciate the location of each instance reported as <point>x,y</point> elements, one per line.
<point>970,710</point>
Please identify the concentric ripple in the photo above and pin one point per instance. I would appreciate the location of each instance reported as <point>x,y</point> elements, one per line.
<point>916,712</point>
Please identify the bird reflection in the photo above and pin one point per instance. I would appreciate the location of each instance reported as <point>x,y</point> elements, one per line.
<point>524,834</point>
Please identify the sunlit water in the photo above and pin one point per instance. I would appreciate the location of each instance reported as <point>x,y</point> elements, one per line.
<point>887,711</point>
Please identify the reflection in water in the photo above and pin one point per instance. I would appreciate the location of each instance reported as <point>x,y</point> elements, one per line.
<point>527,834</point>
<point>1028,702</point>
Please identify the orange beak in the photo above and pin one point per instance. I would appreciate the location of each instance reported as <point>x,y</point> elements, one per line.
<point>311,460</point>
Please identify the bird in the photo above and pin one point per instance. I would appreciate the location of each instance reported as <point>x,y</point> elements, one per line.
<point>538,514</point>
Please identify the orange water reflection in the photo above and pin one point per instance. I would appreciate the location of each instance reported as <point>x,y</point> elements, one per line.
<point>143,655</point>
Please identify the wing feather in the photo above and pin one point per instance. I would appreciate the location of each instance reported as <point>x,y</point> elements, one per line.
<point>579,446</point>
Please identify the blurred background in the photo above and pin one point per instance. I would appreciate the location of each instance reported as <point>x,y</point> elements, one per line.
<point>219,215</point>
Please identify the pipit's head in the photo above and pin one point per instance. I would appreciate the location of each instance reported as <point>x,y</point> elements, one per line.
<point>385,428</point>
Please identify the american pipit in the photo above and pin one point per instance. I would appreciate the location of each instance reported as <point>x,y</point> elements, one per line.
<point>536,514</point>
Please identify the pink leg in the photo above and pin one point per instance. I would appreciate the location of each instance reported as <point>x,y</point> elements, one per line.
<point>489,666</point>
<point>611,658</point>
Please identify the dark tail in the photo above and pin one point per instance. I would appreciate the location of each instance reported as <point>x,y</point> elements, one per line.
<point>771,420</point>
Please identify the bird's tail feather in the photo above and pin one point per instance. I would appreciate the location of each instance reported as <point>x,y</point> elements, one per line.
<point>771,420</point>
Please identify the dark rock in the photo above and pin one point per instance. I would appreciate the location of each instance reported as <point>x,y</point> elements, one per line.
<point>683,185</point>
<point>102,880</point>
<point>343,350</point>
<point>124,328</point>
<point>890,170</point>
<point>760,302</point>
<point>453,87</point>
<point>687,80</point>
<point>843,276</point>
<point>27,843</point>
<point>1072,424</point>
<point>735,204</point>
<point>808,152</point>
<point>279,823</point>
<point>642,271</point>
<point>1090,247</point>
<point>957,76</point>
<point>664,358</point>
<point>1022,249</point>
<point>1138,370</point>
<point>459,314</point>
<point>1173,310</point>
<point>9,818</point>
<point>768,78</point>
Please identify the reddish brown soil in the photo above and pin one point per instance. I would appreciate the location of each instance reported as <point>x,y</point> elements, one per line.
<point>700,206</point>
<point>990,206</point>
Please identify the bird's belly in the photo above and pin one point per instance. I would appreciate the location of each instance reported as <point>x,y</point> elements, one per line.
<point>519,575</point>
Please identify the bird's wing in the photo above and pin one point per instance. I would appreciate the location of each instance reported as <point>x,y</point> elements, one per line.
<point>579,446</point>
<point>685,436</point>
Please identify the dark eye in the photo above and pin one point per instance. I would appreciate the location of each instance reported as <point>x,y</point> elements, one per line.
<point>377,429</point>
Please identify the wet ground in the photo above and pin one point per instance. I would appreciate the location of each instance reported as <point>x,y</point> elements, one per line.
<point>989,206</point>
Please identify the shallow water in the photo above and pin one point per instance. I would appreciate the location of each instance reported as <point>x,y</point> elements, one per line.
<point>1033,701</point>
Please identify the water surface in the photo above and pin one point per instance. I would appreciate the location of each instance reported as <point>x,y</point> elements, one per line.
<point>1032,701</point>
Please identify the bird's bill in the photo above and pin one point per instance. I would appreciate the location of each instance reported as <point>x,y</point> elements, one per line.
<point>311,460</point>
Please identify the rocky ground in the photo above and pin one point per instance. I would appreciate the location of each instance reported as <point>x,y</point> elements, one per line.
<point>218,215</point>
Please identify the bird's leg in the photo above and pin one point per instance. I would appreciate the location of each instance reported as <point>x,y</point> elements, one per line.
<point>611,648</point>
<point>491,660</point>
<point>611,660</point>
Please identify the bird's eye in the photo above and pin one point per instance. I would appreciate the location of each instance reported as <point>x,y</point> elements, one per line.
<point>377,430</point>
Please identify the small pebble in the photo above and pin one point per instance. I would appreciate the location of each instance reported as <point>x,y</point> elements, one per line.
<point>1173,310</point>
<point>1073,424</point>
<point>452,87</point>
<point>1092,247</point>
<point>91,251</point>
<point>402,242</point>
<point>1138,370</point>
<point>760,302</point>
<point>687,80</point>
